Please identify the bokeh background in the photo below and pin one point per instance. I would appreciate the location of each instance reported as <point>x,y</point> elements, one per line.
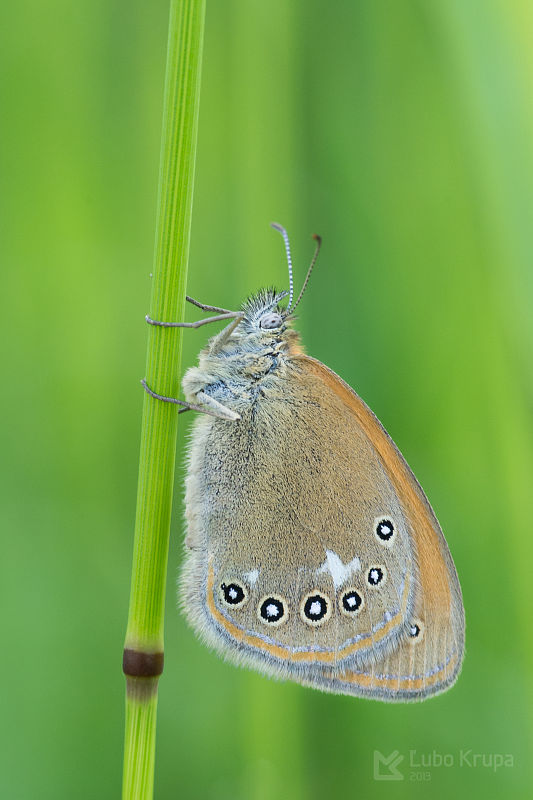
<point>403,133</point>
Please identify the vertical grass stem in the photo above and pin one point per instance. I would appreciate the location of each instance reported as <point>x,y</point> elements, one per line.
<point>143,653</point>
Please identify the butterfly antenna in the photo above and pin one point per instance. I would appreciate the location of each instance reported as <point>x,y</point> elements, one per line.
<point>285,235</point>
<point>318,241</point>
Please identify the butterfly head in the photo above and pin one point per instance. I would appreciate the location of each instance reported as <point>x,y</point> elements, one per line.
<point>260,336</point>
<point>263,314</point>
<point>265,328</point>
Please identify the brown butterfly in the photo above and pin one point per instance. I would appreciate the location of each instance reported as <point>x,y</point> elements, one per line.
<point>312,552</point>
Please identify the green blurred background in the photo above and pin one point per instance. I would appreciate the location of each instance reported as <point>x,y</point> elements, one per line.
<point>403,133</point>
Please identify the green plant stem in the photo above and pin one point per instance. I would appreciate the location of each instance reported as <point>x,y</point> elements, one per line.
<point>143,654</point>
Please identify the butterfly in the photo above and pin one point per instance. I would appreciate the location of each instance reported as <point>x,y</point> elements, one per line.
<point>312,553</point>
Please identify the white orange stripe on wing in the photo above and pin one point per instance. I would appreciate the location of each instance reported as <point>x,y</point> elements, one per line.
<point>281,651</point>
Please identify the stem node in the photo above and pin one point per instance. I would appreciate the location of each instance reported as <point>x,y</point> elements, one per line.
<point>140,664</point>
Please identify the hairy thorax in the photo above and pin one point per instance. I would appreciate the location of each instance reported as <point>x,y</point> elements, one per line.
<point>243,370</point>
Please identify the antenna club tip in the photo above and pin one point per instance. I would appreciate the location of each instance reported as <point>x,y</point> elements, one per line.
<point>317,238</point>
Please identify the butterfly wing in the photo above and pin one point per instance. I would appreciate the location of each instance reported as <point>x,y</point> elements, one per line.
<point>302,556</point>
<point>428,659</point>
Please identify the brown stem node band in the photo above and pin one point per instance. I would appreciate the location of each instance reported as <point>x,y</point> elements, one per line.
<point>139,664</point>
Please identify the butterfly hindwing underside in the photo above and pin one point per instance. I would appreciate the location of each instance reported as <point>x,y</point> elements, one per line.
<point>311,552</point>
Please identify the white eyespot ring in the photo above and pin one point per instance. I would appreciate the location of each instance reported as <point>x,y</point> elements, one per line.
<point>233,593</point>
<point>273,610</point>
<point>351,601</point>
<point>315,608</point>
<point>376,576</point>
<point>416,631</point>
<point>271,320</point>
<point>385,530</point>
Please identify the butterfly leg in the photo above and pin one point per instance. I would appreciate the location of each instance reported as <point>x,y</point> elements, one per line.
<point>206,307</point>
<point>209,404</point>
<point>197,324</point>
<point>220,340</point>
<point>216,408</point>
<point>221,313</point>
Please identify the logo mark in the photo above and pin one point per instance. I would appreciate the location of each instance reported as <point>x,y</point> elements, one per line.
<point>385,767</point>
